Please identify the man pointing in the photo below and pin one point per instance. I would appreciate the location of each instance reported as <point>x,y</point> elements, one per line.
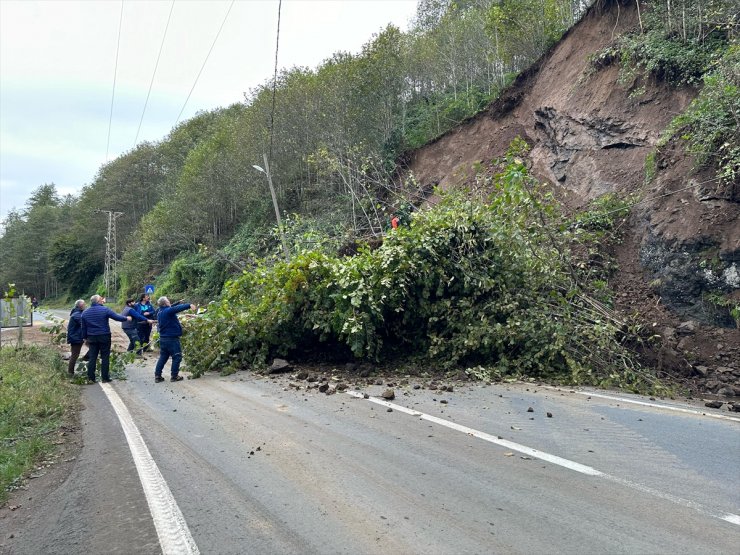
<point>170,332</point>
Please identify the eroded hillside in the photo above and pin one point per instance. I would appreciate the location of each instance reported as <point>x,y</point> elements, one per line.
<point>590,134</point>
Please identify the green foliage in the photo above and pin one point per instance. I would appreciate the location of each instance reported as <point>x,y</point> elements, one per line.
<point>735,313</point>
<point>651,166</point>
<point>524,29</point>
<point>72,264</point>
<point>666,58</point>
<point>56,329</point>
<point>678,41</point>
<point>467,284</point>
<point>35,402</point>
<point>711,124</point>
<point>428,119</point>
<point>195,275</point>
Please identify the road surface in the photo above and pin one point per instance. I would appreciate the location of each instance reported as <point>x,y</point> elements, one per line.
<point>243,464</point>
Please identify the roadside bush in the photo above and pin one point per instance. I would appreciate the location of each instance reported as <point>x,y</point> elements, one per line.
<point>711,124</point>
<point>35,401</point>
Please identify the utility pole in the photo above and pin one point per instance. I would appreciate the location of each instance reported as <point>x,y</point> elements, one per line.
<point>111,252</point>
<point>266,171</point>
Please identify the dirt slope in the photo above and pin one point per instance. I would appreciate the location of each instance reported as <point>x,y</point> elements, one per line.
<point>590,135</point>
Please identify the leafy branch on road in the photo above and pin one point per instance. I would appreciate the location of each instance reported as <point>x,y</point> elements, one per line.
<point>487,283</point>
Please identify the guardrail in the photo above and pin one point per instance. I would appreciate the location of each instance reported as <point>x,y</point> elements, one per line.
<point>16,312</point>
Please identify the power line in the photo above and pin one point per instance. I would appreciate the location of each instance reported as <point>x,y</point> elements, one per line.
<point>156,65</point>
<point>204,62</point>
<point>274,80</point>
<point>115,73</point>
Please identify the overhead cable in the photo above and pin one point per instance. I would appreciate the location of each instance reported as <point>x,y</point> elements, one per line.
<point>274,82</point>
<point>115,72</point>
<point>204,62</point>
<point>156,65</point>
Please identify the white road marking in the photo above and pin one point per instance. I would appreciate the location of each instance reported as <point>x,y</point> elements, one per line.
<point>554,459</point>
<point>172,530</point>
<point>653,405</point>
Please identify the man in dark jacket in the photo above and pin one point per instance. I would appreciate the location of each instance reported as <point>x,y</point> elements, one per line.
<point>96,330</point>
<point>170,332</point>
<point>74,335</point>
<point>130,327</point>
<point>144,329</point>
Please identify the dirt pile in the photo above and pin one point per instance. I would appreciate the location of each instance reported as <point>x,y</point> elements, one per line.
<point>591,135</point>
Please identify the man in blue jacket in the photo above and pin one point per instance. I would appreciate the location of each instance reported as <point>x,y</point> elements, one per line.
<point>170,332</point>
<point>144,329</point>
<point>130,328</point>
<point>74,335</point>
<point>96,330</point>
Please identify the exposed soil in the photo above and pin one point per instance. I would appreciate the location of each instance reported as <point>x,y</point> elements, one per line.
<point>589,135</point>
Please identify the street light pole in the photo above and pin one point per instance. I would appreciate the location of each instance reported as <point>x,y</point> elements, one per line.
<point>266,171</point>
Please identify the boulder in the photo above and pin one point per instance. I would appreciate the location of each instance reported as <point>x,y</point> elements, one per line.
<point>280,366</point>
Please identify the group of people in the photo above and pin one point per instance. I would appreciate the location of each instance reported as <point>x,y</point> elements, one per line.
<point>91,326</point>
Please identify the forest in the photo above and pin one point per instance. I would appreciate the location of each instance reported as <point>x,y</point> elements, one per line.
<point>199,219</point>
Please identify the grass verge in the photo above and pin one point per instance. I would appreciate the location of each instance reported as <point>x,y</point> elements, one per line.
<point>36,400</point>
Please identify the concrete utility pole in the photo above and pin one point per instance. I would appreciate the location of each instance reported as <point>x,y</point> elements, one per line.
<point>266,171</point>
<point>111,253</point>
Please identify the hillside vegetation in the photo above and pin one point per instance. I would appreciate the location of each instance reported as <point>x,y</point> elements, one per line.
<point>497,277</point>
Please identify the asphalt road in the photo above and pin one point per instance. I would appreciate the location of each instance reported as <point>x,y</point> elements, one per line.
<point>253,465</point>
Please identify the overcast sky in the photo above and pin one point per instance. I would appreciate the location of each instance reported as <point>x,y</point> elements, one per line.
<point>58,61</point>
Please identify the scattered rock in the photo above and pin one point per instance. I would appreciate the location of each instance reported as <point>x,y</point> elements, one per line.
<point>389,394</point>
<point>530,409</point>
<point>687,328</point>
<point>726,392</point>
<point>280,366</point>
<point>302,375</point>
<point>701,371</point>
<point>714,404</point>
<point>324,387</point>
<point>734,407</point>
<point>549,415</point>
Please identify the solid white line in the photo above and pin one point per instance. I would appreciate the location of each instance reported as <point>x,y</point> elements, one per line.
<point>647,404</point>
<point>173,532</point>
<point>565,463</point>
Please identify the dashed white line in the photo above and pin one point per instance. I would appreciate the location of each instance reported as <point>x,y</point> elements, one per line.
<point>554,459</point>
<point>172,530</point>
